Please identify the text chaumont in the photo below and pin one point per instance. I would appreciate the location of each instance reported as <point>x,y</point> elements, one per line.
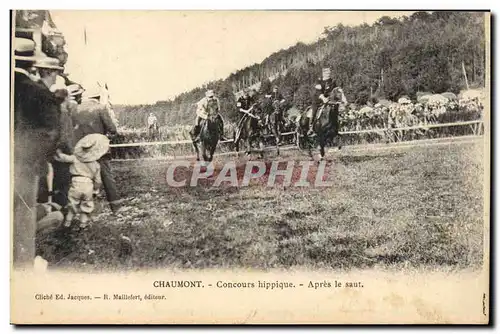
<point>178,284</point>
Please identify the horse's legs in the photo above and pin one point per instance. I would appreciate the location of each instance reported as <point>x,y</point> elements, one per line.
<point>322,143</point>
<point>195,145</point>
<point>261,147</point>
<point>307,143</point>
<point>277,135</point>
<point>339,141</point>
<point>249,145</point>
<point>204,152</point>
<point>237,147</point>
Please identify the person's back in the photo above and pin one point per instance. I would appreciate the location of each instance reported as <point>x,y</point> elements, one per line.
<point>36,106</point>
<point>92,117</point>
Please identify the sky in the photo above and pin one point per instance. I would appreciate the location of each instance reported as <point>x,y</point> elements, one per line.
<point>147,56</point>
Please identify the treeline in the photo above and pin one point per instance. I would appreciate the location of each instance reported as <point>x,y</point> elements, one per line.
<point>424,52</point>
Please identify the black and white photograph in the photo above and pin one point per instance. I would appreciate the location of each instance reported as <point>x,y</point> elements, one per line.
<point>328,154</point>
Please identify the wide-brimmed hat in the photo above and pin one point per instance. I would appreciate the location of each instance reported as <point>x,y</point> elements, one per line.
<point>91,147</point>
<point>24,49</point>
<point>209,93</point>
<point>48,62</point>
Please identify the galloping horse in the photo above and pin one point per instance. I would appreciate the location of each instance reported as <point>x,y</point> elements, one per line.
<point>250,129</point>
<point>208,138</point>
<point>275,122</point>
<point>326,126</point>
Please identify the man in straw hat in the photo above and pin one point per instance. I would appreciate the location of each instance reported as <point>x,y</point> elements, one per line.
<point>94,118</point>
<point>36,121</point>
<point>25,173</point>
<point>53,95</point>
<point>85,175</point>
<point>209,105</point>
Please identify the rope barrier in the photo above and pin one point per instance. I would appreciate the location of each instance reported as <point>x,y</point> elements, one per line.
<point>423,126</point>
<point>353,148</point>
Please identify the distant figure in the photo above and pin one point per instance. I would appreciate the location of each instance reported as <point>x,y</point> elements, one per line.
<point>153,127</point>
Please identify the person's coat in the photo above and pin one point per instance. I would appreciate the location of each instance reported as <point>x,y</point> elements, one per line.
<point>92,117</point>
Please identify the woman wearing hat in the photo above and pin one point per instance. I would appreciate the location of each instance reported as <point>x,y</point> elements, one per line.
<point>85,176</point>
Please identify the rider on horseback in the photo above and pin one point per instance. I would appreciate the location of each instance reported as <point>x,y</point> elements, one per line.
<point>275,100</point>
<point>246,103</point>
<point>209,105</point>
<point>323,97</point>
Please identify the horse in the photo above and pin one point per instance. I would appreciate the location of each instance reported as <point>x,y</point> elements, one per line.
<point>208,138</point>
<point>275,122</point>
<point>250,129</point>
<point>326,127</point>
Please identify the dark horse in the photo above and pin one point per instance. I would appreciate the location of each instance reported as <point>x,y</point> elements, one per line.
<point>249,129</point>
<point>326,127</point>
<point>208,138</point>
<point>275,122</point>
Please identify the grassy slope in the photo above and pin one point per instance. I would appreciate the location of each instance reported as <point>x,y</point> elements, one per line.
<point>407,207</point>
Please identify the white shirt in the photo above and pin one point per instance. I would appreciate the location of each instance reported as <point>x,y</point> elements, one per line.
<point>152,120</point>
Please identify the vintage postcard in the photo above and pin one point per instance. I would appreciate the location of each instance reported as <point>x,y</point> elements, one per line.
<point>250,167</point>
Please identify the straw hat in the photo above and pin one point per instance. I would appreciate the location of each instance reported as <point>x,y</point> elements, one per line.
<point>91,147</point>
<point>48,62</point>
<point>24,49</point>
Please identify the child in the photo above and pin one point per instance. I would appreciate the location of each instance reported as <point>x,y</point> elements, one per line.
<point>85,176</point>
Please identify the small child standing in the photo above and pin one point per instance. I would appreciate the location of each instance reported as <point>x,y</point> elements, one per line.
<point>85,176</point>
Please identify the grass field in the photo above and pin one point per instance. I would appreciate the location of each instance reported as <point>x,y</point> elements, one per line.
<point>403,207</point>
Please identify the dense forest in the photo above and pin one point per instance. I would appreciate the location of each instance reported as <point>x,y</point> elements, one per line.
<point>424,52</point>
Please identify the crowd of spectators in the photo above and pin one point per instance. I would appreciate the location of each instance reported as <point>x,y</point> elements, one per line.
<point>51,114</point>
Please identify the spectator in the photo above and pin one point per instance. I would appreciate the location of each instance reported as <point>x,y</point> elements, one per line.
<point>62,176</point>
<point>93,117</point>
<point>36,121</point>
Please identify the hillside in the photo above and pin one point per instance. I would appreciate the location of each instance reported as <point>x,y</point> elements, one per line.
<point>390,58</point>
